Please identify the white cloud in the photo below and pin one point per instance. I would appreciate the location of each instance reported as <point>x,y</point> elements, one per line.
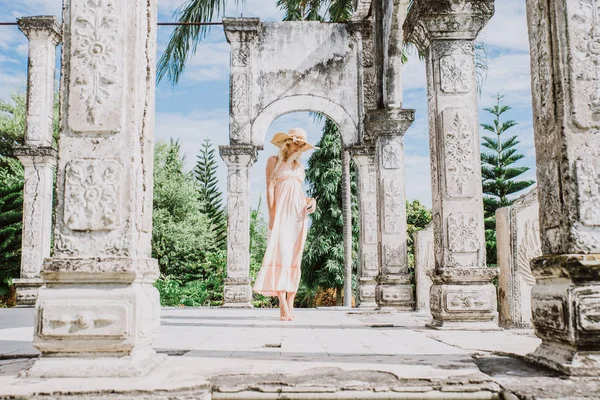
<point>413,73</point>
<point>508,74</point>
<point>508,27</point>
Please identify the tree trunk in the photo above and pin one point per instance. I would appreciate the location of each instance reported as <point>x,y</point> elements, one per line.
<point>347,212</point>
<point>338,297</point>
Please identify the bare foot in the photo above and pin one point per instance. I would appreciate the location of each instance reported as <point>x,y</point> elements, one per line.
<point>286,318</point>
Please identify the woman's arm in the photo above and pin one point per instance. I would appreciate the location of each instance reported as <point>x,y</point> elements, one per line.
<point>271,162</point>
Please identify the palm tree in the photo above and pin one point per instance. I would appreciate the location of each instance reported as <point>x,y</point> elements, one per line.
<point>185,38</point>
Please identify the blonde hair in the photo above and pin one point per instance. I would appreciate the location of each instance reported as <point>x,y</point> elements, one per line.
<point>294,159</point>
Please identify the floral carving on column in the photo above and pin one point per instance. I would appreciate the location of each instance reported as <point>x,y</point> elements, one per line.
<point>97,65</point>
<point>462,233</point>
<point>92,200</point>
<point>459,155</point>
<point>456,74</point>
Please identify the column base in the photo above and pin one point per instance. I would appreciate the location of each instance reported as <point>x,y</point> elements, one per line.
<point>566,360</point>
<point>463,326</point>
<point>101,367</point>
<point>237,294</point>
<point>27,290</point>
<point>394,293</point>
<point>366,293</point>
<point>463,307</point>
<point>565,304</point>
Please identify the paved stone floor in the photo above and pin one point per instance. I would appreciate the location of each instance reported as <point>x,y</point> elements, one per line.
<point>323,354</point>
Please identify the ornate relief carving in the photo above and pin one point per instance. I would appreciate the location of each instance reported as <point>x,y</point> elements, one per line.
<point>370,266</point>
<point>456,73</point>
<point>459,154</point>
<point>102,318</point>
<point>462,232</point>
<point>394,206</point>
<point>36,94</point>
<point>64,245</point>
<point>393,254</point>
<point>529,248</point>
<point>96,65</point>
<point>240,55</point>
<point>548,313</point>
<point>239,94</point>
<point>367,292</point>
<point>92,194</point>
<point>370,221</point>
<point>549,194</point>
<point>395,294</point>
<point>583,32</point>
<point>370,95</point>
<point>237,130</point>
<point>467,301</point>
<point>117,246</point>
<point>34,131</point>
<point>391,154</point>
<point>588,310</point>
<point>588,177</point>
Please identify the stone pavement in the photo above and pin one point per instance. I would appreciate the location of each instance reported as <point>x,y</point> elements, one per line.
<point>323,354</point>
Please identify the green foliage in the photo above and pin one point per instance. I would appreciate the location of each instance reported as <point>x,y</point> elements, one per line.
<point>417,218</point>
<point>210,197</point>
<point>11,216</point>
<point>181,237</point>
<point>323,259</point>
<point>12,122</point>
<point>499,173</point>
<point>208,291</point>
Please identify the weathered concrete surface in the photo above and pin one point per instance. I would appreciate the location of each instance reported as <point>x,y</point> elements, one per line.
<point>245,354</point>
<point>518,241</point>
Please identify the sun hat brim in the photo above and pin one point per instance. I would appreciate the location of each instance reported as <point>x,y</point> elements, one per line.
<point>280,138</point>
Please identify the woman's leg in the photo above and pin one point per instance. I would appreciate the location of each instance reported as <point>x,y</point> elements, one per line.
<point>284,313</point>
<point>290,303</point>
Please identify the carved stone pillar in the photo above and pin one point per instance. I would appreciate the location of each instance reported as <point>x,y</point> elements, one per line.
<point>368,270</point>
<point>241,33</point>
<point>99,312</point>
<point>424,266</point>
<point>39,164</point>
<point>462,296</point>
<point>565,70</point>
<point>239,159</point>
<point>393,283</point>
<point>37,156</point>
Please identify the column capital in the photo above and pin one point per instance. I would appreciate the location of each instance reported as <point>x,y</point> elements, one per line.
<point>241,29</point>
<point>430,20</point>
<point>389,122</point>
<point>238,154</point>
<point>364,150</point>
<point>41,27</point>
<point>359,28</point>
<point>36,155</point>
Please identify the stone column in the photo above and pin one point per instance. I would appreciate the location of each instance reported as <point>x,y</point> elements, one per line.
<point>37,156</point>
<point>241,34</point>
<point>424,266</point>
<point>462,296</point>
<point>393,283</point>
<point>99,312</point>
<point>239,159</point>
<point>368,270</point>
<point>565,70</point>
<point>518,242</point>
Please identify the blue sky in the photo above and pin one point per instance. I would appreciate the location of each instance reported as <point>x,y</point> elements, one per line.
<point>197,107</point>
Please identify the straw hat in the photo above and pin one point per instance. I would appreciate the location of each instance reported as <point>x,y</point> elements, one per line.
<point>295,135</point>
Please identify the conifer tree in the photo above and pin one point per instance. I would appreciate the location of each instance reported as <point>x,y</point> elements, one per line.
<point>211,198</point>
<point>11,216</point>
<point>499,172</point>
<point>323,259</point>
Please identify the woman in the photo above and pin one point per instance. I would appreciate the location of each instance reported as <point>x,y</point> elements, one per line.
<point>288,210</point>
